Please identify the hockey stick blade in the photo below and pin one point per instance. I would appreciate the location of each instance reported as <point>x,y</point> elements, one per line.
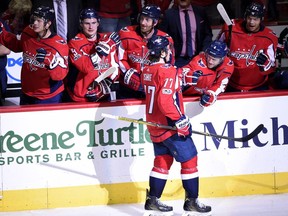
<point>105,74</point>
<point>224,14</point>
<point>240,139</point>
<point>254,133</point>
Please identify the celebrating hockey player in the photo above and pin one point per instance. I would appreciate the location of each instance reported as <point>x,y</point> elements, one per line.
<point>133,50</point>
<point>45,58</point>
<point>91,53</point>
<point>164,105</point>
<point>252,49</point>
<point>207,74</point>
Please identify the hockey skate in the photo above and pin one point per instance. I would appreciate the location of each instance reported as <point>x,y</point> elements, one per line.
<point>154,207</point>
<point>193,207</point>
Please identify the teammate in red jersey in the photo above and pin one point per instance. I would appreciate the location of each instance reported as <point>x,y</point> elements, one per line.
<point>164,105</point>
<point>45,58</point>
<point>133,51</point>
<point>252,49</point>
<point>91,53</point>
<point>207,74</point>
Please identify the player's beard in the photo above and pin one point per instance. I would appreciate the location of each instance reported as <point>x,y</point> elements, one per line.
<point>146,30</point>
<point>252,26</point>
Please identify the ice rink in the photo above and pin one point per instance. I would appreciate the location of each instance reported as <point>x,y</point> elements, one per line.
<point>262,205</point>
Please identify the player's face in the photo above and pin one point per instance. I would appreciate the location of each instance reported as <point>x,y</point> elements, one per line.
<point>39,25</point>
<point>212,62</point>
<point>146,24</point>
<point>89,27</point>
<point>253,23</point>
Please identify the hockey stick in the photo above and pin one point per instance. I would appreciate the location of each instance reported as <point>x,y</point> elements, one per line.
<point>102,76</point>
<point>240,139</point>
<point>105,74</point>
<point>227,20</point>
<point>144,57</point>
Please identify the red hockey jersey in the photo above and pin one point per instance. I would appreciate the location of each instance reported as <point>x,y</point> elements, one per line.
<point>164,100</point>
<point>37,80</point>
<point>133,49</point>
<point>214,80</point>
<point>80,52</point>
<point>244,49</point>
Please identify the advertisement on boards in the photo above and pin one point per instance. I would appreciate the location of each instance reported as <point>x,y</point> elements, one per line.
<point>81,144</point>
<point>13,67</point>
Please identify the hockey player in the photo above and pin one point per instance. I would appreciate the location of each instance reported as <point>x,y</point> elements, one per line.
<point>164,105</point>
<point>45,58</point>
<point>280,78</point>
<point>133,50</point>
<point>252,49</point>
<point>91,53</point>
<point>208,73</point>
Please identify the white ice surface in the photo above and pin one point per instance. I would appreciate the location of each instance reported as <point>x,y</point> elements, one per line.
<point>262,205</point>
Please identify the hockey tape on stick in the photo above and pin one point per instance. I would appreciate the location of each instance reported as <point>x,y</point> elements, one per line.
<point>105,74</point>
<point>240,139</point>
<point>224,14</point>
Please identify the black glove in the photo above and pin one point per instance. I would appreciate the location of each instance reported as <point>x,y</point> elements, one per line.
<point>40,55</point>
<point>263,61</point>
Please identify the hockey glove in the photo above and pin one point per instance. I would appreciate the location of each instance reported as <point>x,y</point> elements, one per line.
<point>132,79</point>
<point>50,60</point>
<point>40,55</point>
<point>95,59</point>
<point>263,61</point>
<point>208,98</point>
<point>183,126</point>
<point>195,76</point>
<point>104,47</point>
<point>98,90</point>
<point>115,37</point>
<point>191,78</point>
